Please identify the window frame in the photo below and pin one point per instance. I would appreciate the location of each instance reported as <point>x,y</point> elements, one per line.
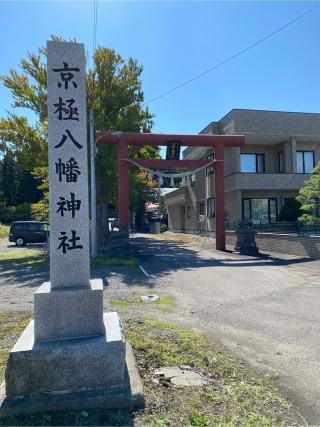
<point>213,213</point>
<point>257,155</point>
<point>303,160</point>
<point>202,208</point>
<point>260,198</point>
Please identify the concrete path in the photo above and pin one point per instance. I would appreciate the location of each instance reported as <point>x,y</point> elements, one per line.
<point>266,310</point>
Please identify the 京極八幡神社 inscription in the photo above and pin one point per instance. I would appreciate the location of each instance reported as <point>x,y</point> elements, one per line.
<point>68,170</point>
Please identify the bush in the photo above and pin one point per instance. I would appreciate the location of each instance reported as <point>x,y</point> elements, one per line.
<point>8,214</point>
<point>290,210</point>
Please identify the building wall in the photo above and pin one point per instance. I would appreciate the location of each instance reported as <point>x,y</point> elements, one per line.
<point>231,160</point>
<point>274,122</point>
<point>274,125</point>
<point>270,155</point>
<point>233,206</point>
<point>174,217</point>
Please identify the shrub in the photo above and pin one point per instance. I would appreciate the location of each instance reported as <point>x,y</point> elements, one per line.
<point>290,210</point>
<point>164,228</point>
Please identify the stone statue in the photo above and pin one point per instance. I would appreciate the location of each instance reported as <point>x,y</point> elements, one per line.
<point>246,243</point>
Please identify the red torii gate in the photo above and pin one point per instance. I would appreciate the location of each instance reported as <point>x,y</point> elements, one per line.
<point>123,139</point>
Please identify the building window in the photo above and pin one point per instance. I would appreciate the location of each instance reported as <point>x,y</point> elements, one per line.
<point>188,212</point>
<point>210,170</point>
<point>210,207</point>
<point>252,163</point>
<point>201,209</point>
<point>281,162</point>
<point>305,161</point>
<point>260,210</point>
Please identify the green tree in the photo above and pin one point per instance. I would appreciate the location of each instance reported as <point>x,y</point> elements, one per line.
<point>115,94</point>
<point>309,196</point>
<point>17,185</point>
<point>114,91</point>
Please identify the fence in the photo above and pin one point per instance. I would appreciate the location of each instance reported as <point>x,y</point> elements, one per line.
<point>289,244</point>
<point>296,227</point>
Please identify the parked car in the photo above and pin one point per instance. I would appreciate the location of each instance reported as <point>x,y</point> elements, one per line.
<point>23,232</point>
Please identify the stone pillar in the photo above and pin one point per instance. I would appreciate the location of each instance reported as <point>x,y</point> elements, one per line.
<point>68,306</point>
<point>287,157</point>
<point>72,355</point>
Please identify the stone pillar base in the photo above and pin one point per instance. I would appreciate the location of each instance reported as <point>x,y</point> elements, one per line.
<point>68,312</point>
<point>127,394</point>
<point>66,365</point>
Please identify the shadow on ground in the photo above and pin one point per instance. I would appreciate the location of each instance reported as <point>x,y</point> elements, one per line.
<point>21,276</point>
<point>158,257</point>
<point>165,256</point>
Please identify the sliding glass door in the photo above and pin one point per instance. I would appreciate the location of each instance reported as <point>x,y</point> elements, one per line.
<point>260,210</point>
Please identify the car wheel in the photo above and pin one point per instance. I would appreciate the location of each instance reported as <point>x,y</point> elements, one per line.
<point>20,241</point>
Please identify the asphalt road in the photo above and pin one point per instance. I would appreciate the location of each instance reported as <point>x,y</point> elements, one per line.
<point>266,310</point>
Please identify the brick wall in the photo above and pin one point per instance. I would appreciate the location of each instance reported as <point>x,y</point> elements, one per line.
<point>304,246</point>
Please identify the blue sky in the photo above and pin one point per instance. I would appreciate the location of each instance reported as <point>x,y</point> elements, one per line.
<point>177,40</point>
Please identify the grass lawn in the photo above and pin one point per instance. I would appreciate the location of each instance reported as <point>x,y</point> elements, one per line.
<point>164,303</point>
<point>35,258</point>
<point>39,260</point>
<point>181,237</point>
<point>233,396</point>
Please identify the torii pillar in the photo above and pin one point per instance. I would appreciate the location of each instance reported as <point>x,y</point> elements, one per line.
<point>123,184</point>
<point>219,193</point>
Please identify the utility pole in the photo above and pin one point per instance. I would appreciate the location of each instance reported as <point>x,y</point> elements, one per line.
<point>93,199</point>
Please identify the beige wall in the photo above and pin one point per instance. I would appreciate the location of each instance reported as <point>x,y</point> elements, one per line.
<point>233,206</point>
<point>175,220</point>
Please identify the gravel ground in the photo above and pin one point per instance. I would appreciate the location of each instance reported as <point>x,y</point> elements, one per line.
<point>6,246</point>
<point>266,310</point>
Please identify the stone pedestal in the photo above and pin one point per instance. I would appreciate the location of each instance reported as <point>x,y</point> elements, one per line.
<point>246,243</point>
<point>71,373</point>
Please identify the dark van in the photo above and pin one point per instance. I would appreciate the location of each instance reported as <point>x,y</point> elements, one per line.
<point>23,232</point>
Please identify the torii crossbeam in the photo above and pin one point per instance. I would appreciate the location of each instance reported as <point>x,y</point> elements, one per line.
<point>123,139</point>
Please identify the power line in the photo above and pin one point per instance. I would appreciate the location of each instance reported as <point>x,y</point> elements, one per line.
<point>230,58</point>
